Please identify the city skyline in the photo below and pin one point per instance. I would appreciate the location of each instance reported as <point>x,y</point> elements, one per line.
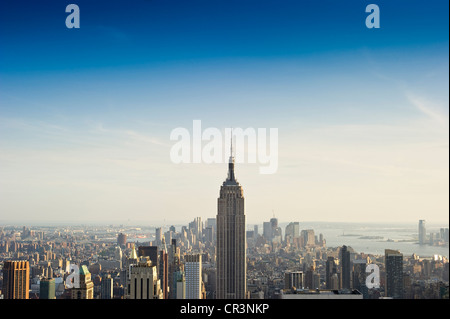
<point>299,265</point>
<point>86,114</point>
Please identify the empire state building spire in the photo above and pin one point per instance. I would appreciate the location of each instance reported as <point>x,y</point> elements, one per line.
<point>231,179</point>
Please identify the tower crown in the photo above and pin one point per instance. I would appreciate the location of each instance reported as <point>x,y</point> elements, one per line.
<point>231,179</point>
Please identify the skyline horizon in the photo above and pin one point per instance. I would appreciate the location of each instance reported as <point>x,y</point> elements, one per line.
<point>179,223</point>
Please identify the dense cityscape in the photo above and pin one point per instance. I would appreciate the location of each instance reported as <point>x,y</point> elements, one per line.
<point>277,262</point>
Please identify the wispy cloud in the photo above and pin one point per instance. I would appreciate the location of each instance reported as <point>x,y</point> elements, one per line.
<point>127,135</point>
<point>82,134</point>
<point>431,109</point>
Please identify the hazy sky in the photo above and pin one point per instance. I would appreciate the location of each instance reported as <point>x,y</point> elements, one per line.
<point>86,114</point>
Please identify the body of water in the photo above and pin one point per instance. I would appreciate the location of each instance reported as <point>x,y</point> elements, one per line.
<point>378,237</point>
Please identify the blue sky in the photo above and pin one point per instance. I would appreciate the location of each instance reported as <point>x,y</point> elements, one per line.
<point>86,114</point>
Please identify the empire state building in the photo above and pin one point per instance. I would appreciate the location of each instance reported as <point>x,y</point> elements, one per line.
<point>231,256</point>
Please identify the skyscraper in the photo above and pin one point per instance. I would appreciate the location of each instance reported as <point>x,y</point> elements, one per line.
<point>231,255</point>
<point>346,267</point>
<point>359,277</point>
<point>86,289</point>
<point>118,256</point>
<point>160,260</point>
<point>158,236</point>
<point>151,252</point>
<point>394,273</point>
<point>163,272</point>
<point>276,230</point>
<point>144,282</point>
<point>422,232</point>
<point>267,231</point>
<point>312,278</point>
<point>198,227</point>
<point>211,222</point>
<point>107,287</point>
<point>308,237</point>
<point>208,232</point>
<point>193,271</point>
<point>292,231</point>
<point>293,279</point>
<point>47,288</point>
<point>330,271</point>
<point>179,287</point>
<point>16,279</point>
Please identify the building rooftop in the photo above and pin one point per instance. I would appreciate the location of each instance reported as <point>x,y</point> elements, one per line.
<point>84,270</point>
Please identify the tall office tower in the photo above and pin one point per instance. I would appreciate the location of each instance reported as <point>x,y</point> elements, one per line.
<point>292,231</point>
<point>312,279</point>
<point>193,272</point>
<point>171,253</point>
<point>198,227</point>
<point>359,276</point>
<point>331,269</point>
<point>122,240</point>
<point>316,280</point>
<point>160,260</point>
<point>445,273</point>
<point>174,266</point>
<point>168,236</point>
<point>334,282</point>
<point>277,235</point>
<point>293,279</point>
<point>422,232</point>
<point>231,255</point>
<point>308,236</point>
<point>16,280</point>
<point>394,273</point>
<point>255,230</point>
<point>118,256</point>
<point>271,230</point>
<point>86,289</point>
<point>274,222</point>
<point>346,267</point>
<point>267,231</point>
<point>163,274</point>
<point>106,291</point>
<point>144,282</point>
<point>151,252</point>
<point>211,222</point>
<point>158,236</point>
<point>179,287</point>
<point>47,288</point>
<point>209,235</point>
<point>123,278</point>
<point>426,269</point>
